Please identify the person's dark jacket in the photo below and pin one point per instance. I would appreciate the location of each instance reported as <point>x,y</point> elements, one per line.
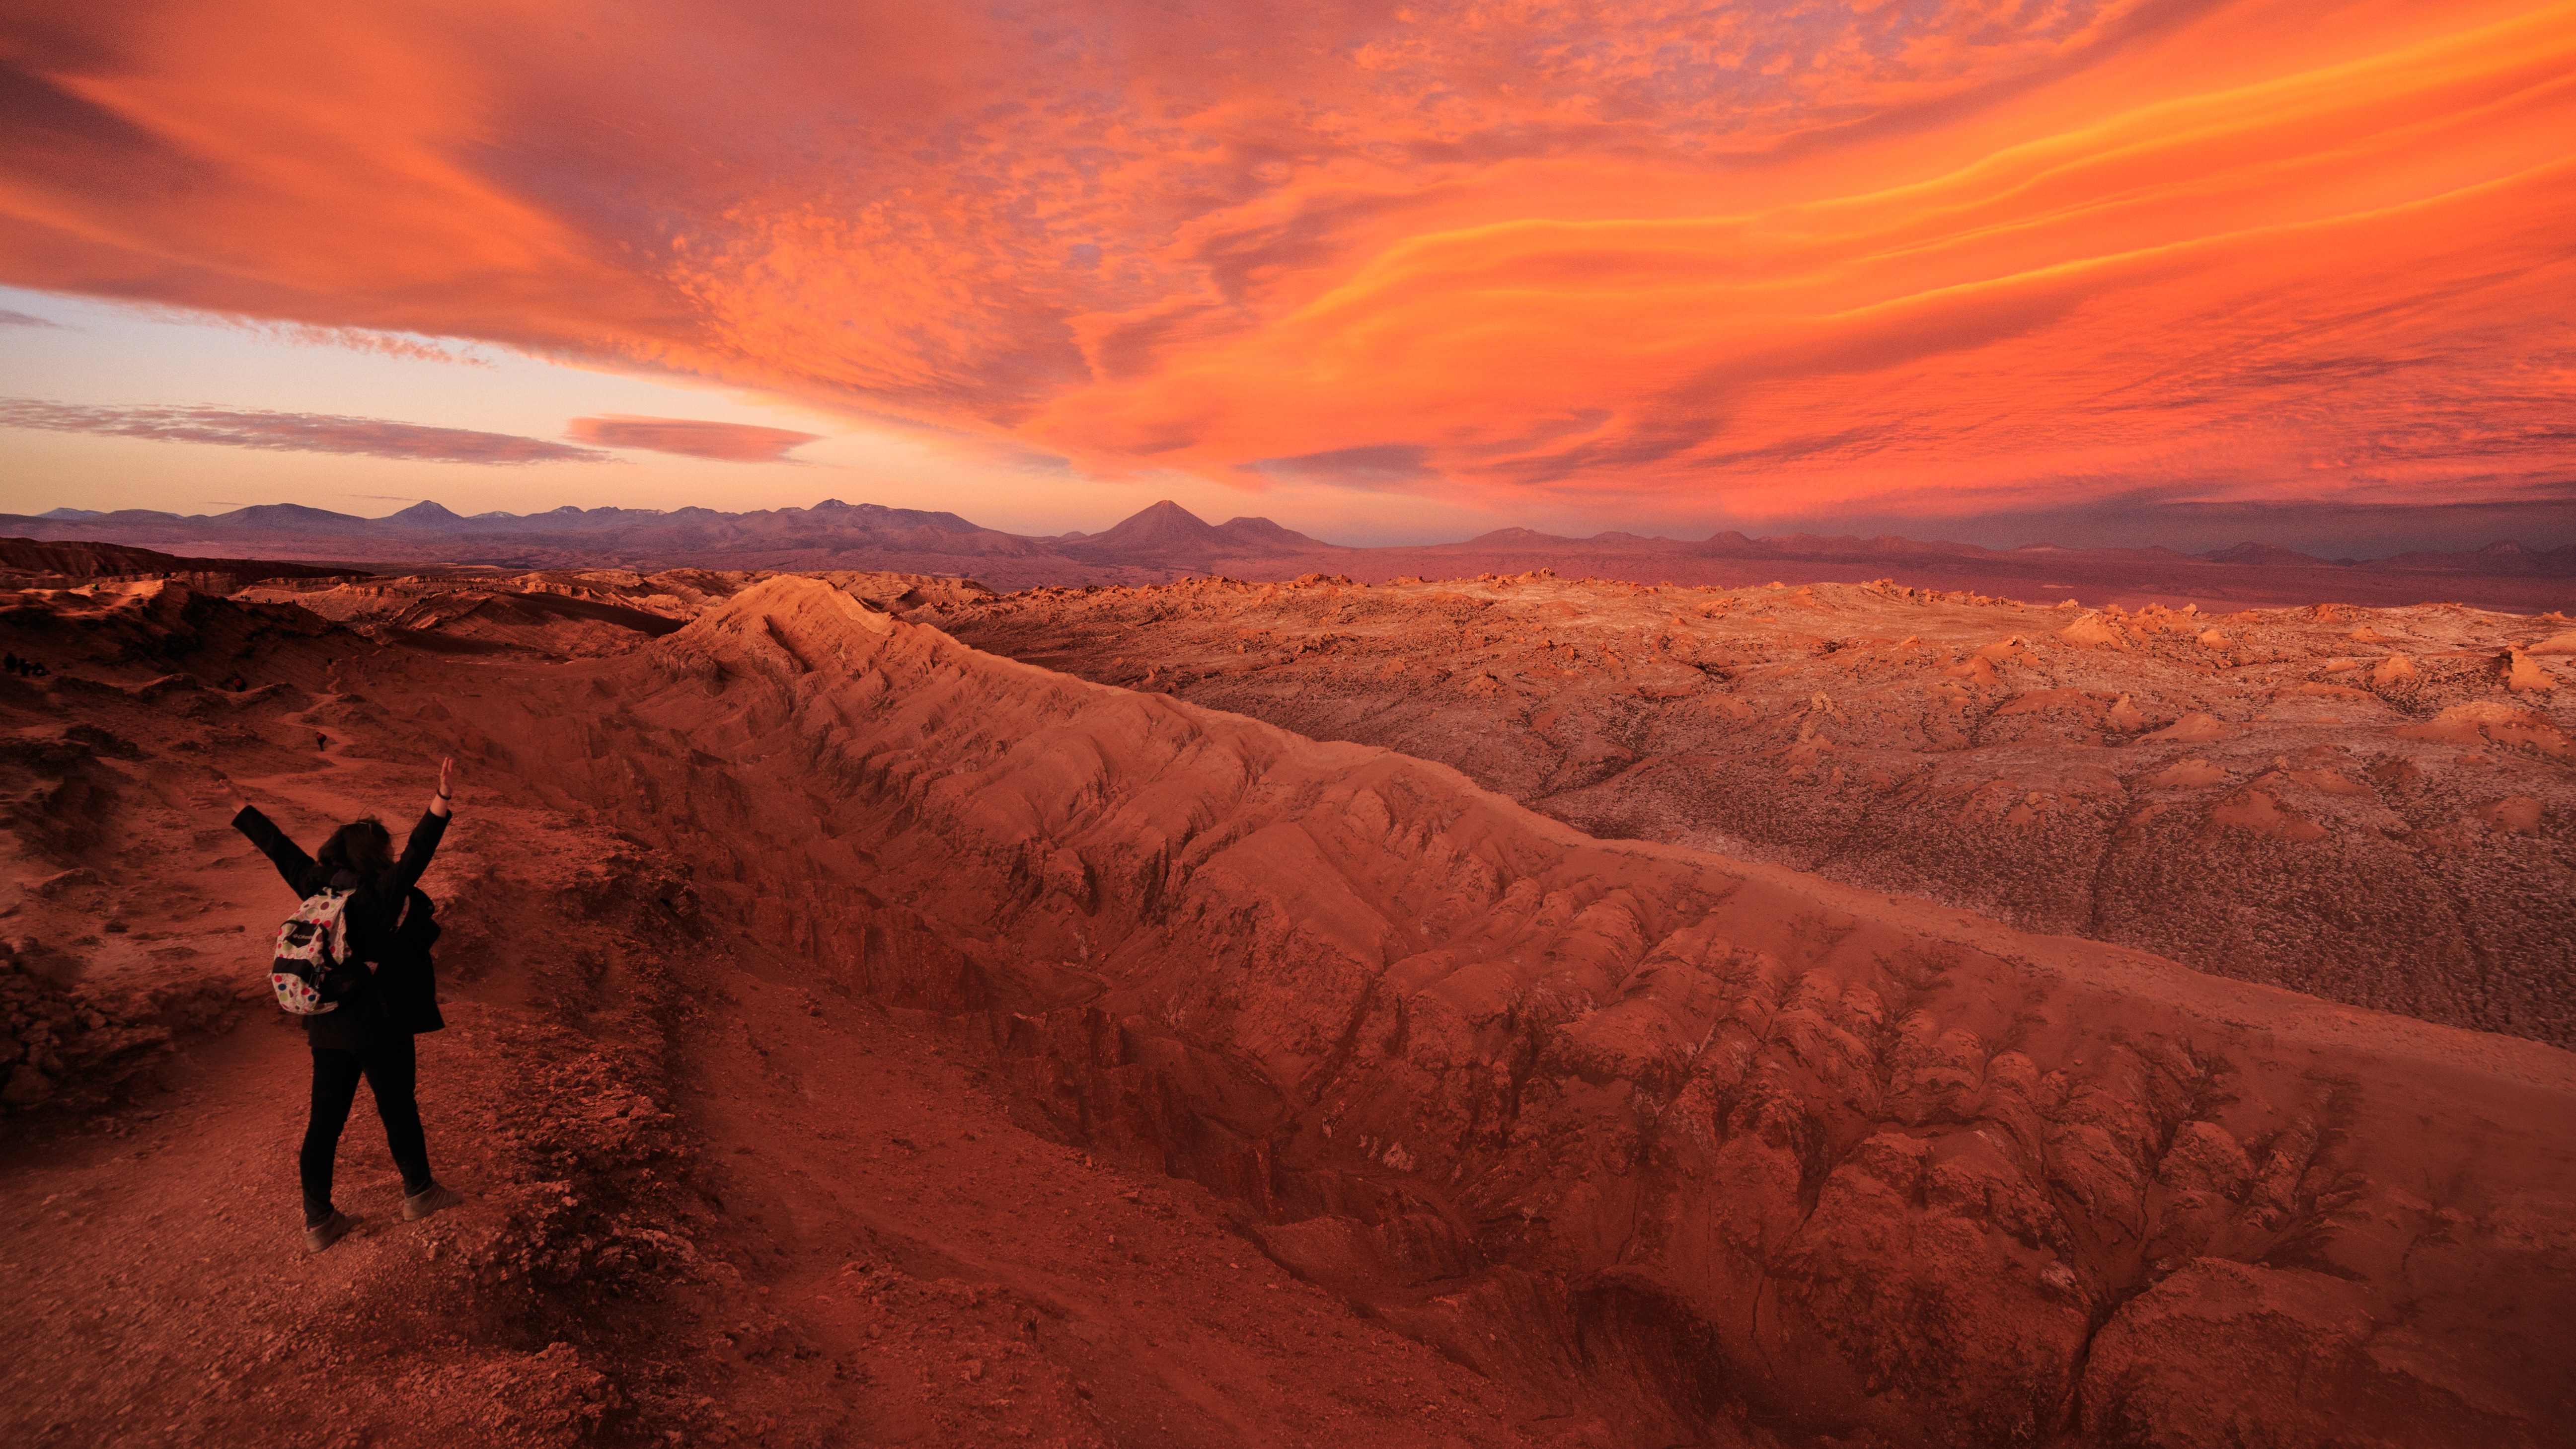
<point>391,923</point>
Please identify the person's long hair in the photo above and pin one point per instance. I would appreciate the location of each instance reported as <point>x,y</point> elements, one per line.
<point>363,847</point>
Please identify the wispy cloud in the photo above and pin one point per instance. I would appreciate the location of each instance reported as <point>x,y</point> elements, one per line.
<point>9,318</point>
<point>291,432</point>
<point>730,442</point>
<point>360,339</point>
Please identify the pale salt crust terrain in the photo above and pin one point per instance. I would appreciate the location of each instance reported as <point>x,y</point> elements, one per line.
<point>865,1038</point>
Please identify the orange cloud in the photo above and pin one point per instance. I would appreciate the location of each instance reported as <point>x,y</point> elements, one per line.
<point>1936,257</point>
<point>727,442</point>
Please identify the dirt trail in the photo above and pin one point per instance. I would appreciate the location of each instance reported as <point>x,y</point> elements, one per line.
<point>166,1234</point>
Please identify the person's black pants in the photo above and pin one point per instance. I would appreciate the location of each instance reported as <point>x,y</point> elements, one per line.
<point>388,1065</point>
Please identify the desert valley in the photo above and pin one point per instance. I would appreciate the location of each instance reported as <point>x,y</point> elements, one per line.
<point>1504,1009</point>
<point>1578,724</point>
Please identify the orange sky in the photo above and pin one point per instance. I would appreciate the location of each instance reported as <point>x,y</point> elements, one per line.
<point>1617,258</point>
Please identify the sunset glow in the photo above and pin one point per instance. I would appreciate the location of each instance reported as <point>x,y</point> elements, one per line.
<point>1389,724</point>
<point>1601,260</point>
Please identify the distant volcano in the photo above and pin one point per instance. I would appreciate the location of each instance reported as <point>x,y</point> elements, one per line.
<point>1166,532</point>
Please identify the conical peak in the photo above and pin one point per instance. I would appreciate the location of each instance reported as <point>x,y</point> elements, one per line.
<point>1163,524</point>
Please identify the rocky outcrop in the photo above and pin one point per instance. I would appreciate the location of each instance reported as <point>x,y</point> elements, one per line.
<point>58,1047</point>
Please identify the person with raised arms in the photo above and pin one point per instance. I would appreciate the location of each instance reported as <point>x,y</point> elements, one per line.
<point>354,962</point>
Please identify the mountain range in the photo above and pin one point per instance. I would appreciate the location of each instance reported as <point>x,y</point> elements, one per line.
<point>1166,541</point>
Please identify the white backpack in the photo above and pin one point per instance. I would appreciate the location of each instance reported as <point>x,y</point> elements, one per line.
<point>312,954</point>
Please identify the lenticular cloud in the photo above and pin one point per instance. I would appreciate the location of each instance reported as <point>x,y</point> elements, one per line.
<point>291,432</point>
<point>689,437</point>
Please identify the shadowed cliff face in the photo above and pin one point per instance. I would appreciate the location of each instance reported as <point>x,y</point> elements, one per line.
<point>2374,805</point>
<point>1710,1148</point>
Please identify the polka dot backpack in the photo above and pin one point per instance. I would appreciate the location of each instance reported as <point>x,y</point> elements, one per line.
<point>313,955</point>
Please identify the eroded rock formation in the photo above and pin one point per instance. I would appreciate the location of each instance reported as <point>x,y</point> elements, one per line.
<point>1723,1149</point>
<point>2374,805</point>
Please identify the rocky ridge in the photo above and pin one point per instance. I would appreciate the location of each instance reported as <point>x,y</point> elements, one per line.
<point>1718,1149</point>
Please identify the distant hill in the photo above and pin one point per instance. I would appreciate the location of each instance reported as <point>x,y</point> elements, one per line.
<point>1170,534</point>
<point>1166,541</point>
<point>2263,554</point>
<point>107,560</point>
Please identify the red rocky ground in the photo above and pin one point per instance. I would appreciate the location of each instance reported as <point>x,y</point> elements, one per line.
<point>2373,805</point>
<point>863,1039</point>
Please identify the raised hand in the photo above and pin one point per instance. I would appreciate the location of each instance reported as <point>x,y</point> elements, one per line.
<point>440,803</point>
<point>233,794</point>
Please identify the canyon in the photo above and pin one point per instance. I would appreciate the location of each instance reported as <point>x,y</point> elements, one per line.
<point>1508,1010</point>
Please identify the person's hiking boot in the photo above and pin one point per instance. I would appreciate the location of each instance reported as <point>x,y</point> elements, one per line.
<point>332,1229</point>
<point>428,1200</point>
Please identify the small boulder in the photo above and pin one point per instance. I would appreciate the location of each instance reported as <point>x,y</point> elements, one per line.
<point>26,1087</point>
